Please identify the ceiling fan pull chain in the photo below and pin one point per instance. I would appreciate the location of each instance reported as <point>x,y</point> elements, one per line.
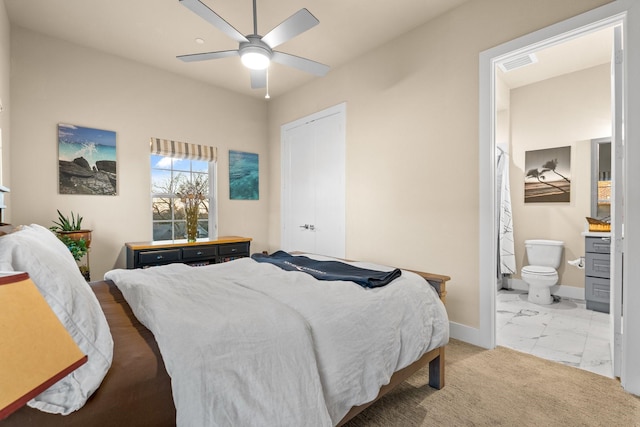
<point>267,83</point>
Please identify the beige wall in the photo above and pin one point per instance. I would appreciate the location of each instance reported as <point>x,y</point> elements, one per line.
<point>56,82</point>
<point>412,140</point>
<point>569,110</point>
<point>502,97</point>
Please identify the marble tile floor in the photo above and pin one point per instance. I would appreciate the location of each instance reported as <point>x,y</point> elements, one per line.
<point>564,331</point>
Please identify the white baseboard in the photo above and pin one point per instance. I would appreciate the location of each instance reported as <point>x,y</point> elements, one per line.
<point>562,291</point>
<point>465,333</point>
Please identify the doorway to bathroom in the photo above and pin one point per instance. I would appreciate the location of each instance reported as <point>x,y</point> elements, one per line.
<point>551,103</point>
<point>491,131</point>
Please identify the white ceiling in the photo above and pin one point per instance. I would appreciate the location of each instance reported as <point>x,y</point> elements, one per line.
<point>154,32</point>
<point>574,55</point>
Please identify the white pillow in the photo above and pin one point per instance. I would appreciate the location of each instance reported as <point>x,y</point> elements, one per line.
<point>51,266</point>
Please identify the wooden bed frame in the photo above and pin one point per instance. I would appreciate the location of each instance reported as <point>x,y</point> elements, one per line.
<point>138,376</point>
<point>435,357</point>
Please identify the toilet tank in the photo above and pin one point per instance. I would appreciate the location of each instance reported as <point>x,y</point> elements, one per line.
<point>547,253</point>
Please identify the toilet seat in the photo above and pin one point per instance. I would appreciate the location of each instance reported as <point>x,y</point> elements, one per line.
<point>539,270</point>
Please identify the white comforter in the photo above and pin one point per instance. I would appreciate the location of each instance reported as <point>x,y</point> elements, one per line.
<point>248,344</point>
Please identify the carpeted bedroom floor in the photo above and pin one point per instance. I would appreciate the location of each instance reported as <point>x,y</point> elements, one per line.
<point>503,387</point>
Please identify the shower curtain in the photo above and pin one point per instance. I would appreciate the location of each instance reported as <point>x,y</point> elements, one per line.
<point>506,253</point>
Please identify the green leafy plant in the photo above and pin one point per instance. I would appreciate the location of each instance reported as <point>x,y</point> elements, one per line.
<point>78,247</point>
<point>65,223</point>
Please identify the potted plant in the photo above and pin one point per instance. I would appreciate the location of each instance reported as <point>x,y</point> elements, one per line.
<point>78,249</point>
<point>71,229</point>
<point>70,232</point>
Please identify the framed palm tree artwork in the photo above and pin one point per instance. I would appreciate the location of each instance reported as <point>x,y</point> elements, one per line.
<point>548,175</point>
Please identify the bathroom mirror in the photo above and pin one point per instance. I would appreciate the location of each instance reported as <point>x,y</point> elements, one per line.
<point>601,178</point>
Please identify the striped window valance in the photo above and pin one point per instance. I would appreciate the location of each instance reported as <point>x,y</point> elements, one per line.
<point>183,150</point>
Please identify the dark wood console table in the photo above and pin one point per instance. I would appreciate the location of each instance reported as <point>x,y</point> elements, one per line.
<point>201,252</point>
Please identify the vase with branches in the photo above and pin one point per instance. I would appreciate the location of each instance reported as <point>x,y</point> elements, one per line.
<point>192,196</point>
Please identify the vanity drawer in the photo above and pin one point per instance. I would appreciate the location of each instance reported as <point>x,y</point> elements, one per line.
<point>598,265</point>
<point>597,289</point>
<point>601,245</point>
<point>199,252</point>
<point>164,256</point>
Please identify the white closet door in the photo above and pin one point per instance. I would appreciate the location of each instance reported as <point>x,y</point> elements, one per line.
<point>301,184</point>
<point>313,183</point>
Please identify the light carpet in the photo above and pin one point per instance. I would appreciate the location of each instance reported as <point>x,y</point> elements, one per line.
<point>503,387</point>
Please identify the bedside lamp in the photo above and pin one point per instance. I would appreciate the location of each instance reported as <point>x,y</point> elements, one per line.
<point>36,350</point>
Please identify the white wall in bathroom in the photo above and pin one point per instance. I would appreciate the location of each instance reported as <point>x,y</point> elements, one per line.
<point>503,94</point>
<point>569,110</point>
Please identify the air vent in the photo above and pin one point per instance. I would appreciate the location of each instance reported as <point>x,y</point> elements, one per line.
<point>519,62</point>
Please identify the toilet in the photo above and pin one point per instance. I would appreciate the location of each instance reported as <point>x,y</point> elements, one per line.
<point>544,257</point>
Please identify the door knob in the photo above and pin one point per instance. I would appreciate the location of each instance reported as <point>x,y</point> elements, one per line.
<point>306,226</point>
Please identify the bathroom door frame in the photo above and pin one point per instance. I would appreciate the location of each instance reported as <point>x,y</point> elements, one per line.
<point>621,12</point>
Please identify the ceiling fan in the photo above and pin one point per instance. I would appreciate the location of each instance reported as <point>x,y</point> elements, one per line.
<point>255,51</point>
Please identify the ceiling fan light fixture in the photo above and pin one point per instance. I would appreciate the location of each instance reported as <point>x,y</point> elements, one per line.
<point>255,51</point>
<point>255,58</point>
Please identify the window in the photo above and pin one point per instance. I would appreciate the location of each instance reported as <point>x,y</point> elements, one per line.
<point>170,176</point>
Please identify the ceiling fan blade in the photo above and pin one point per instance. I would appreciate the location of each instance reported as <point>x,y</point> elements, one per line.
<point>193,57</point>
<point>296,24</point>
<point>303,64</point>
<point>258,79</point>
<point>203,11</point>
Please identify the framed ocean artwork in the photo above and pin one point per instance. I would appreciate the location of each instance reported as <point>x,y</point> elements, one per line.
<point>86,160</point>
<point>548,177</point>
<point>243,176</point>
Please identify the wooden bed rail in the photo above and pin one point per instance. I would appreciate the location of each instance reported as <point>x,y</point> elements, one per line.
<point>435,359</point>
<point>438,281</point>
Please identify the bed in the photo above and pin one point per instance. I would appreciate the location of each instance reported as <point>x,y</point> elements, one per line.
<point>137,389</point>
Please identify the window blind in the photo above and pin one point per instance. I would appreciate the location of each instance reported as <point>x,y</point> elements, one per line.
<point>183,150</point>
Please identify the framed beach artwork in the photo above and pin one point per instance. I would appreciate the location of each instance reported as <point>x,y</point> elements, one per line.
<point>548,176</point>
<point>243,176</point>
<point>86,160</point>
